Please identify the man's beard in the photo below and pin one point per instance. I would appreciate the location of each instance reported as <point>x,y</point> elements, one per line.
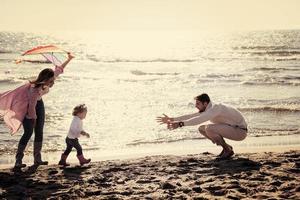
<point>201,111</point>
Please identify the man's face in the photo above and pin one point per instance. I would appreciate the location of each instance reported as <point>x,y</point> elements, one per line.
<point>201,106</point>
<point>50,82</point>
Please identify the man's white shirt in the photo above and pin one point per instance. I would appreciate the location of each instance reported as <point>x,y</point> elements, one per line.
<point>217,114</point>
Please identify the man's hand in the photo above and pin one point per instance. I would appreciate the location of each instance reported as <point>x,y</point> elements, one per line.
<point>173,125</point>
<point>164,120</point>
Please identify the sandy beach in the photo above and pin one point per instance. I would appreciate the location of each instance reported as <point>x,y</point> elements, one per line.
<point>269,175</point>
<point>137,67</point>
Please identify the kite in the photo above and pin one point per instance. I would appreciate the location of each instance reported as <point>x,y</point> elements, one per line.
<point>53,54</point>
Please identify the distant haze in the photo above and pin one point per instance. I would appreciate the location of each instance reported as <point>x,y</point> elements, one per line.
<point>38,15</point>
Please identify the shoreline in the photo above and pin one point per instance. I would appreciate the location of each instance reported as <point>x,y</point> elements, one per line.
<point>180,148</point>
<point>246,175</point>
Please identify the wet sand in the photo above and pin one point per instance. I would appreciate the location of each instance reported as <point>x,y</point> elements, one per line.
<point>198,176</point>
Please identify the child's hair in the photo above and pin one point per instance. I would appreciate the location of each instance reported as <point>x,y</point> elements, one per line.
<point>43,76</point>
<point>79,109</point>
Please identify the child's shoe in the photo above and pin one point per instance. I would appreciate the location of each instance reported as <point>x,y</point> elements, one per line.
<point>63,160</point>
<point>82,160</point>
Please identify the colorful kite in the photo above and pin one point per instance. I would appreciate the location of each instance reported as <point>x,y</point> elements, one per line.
<point>52,53</point>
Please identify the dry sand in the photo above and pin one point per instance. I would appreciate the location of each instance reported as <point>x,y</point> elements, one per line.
<point>199,176</point>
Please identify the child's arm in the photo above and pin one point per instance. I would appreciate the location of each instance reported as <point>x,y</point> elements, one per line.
<point>85,134</point>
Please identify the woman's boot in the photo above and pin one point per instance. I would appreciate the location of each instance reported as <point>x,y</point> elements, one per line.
<point>19,156</point>
<point>37,147</point>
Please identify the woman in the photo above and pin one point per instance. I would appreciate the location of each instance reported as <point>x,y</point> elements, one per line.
<point>25,105</point>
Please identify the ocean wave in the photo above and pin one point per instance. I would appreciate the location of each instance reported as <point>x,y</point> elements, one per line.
<point>162,140</point>
<point>294,130</point>
<point>263,132</point>
<point>290,77</point>
<point>13,60</point>
<point>276,53</point>
<point>223,75</point>
<point>274,69</point>
<point>29,61</point>
<point>270,109</point>
<point>261,47</point>
<point>262,82</point>
<point>253,132</point>
<point>213,77</point>
<point>4,51</point>
<point>286,101</point>
<point>140,73</point>
<point>6,60</point>
<point>266,79</point>
<point>286,59</point>
<point>269,134</point>
<point>270,58</point>
<point>9,80</point>
<point>95,59</point>
<point>37,61</point>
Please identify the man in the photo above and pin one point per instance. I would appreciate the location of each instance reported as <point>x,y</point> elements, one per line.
<point>226,122</point>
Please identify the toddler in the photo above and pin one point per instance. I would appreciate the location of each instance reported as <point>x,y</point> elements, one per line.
<point>79,113</point>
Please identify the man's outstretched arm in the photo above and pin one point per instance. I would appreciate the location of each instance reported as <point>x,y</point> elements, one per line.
<point>166,119</point>
<point>198,119</point>
<point>186,117</point>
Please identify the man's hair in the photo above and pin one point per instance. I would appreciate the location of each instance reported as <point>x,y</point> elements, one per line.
<point>79,109</point>
<point>203,98</point>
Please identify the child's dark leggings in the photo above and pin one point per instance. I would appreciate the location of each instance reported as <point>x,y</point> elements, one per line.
<point>73,143</point>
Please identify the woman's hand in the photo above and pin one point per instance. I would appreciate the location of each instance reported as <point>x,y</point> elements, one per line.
<point>70,56</point>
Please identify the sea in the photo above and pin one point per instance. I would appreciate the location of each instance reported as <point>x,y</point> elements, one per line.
<point>128,78</point>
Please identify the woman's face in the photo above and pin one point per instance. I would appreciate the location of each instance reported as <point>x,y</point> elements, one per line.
<point>50,82</point>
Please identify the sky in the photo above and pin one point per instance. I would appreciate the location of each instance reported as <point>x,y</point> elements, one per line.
<point>71,15</point>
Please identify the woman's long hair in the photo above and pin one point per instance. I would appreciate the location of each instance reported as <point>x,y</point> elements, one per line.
<point>43,76</point>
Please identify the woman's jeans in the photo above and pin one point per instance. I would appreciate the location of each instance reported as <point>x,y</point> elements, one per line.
<point>38,134</point>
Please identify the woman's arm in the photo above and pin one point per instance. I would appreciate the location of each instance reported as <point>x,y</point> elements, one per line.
<point>60,69</point>
<point>70,57</point>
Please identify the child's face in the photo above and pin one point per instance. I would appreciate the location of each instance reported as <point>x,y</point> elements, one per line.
<point>82,114</point>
